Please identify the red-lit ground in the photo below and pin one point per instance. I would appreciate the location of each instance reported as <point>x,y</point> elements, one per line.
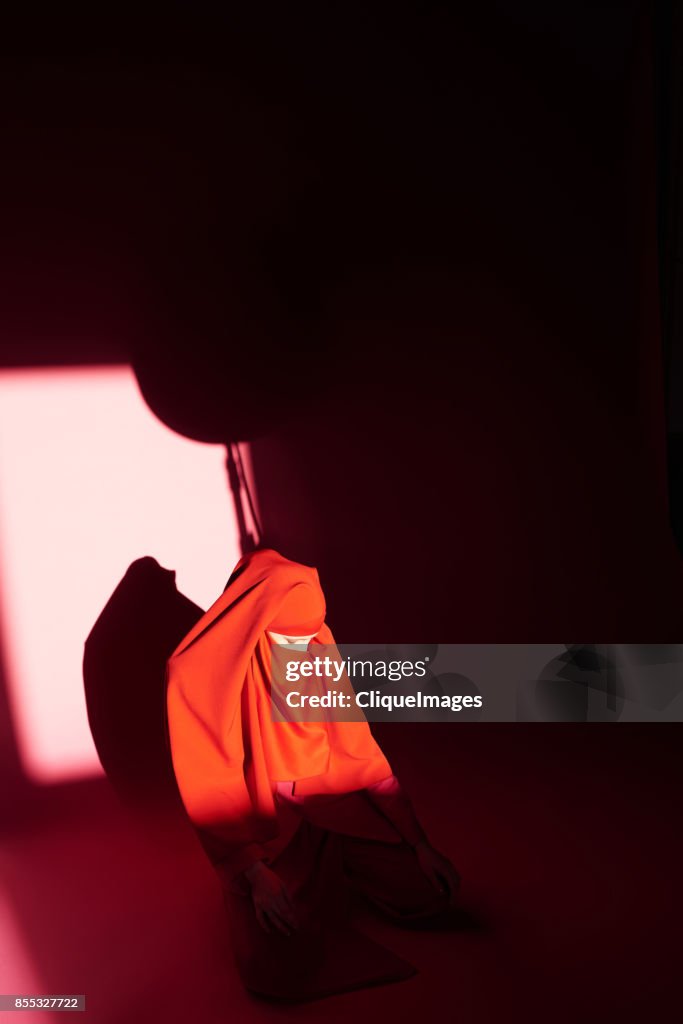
<point>568,838</point>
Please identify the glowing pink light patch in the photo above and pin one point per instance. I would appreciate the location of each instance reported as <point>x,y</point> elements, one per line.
<point>90,480</point>
<point>17,974</point>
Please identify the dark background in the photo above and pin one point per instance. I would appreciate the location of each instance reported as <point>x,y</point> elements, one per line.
<point>427,260</point>
<point>410,253</point>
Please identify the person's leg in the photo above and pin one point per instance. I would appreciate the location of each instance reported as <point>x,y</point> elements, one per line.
<point>389,877</point>
<point>277,965</point>
<point>324,955</point>
<point>270,963</point>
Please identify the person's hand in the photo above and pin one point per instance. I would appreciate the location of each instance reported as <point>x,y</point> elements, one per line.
<point>439,871</point>
<point>272,900</point>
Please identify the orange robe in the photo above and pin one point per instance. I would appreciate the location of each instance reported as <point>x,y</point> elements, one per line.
<point>228,753</point>
<point>234,764</point>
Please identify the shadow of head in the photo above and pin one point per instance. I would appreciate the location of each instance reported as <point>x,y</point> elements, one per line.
<point>124,669</point>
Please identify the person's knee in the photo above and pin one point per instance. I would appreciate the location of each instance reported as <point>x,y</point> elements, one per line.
<point>435,903</point>
<point>405,892</point>
<point>417,905</point>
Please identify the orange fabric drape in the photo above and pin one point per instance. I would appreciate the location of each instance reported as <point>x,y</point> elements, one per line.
<point>228,752</point>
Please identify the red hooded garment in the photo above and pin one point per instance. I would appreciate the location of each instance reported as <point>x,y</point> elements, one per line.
<point>228,753</point>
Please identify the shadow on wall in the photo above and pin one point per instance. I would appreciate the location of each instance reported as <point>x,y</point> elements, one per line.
<point>594,682</point>
<point>445,386</point>
<point>124,667</point>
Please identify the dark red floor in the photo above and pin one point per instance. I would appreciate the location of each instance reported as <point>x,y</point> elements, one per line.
<point>569,842</point>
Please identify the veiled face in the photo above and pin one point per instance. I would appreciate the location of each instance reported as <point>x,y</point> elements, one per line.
<point>289,641</point>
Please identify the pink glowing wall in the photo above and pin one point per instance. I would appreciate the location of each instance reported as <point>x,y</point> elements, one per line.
<point>90,480</point>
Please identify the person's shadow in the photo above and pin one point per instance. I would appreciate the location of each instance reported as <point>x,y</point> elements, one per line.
<point>124,672</point>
